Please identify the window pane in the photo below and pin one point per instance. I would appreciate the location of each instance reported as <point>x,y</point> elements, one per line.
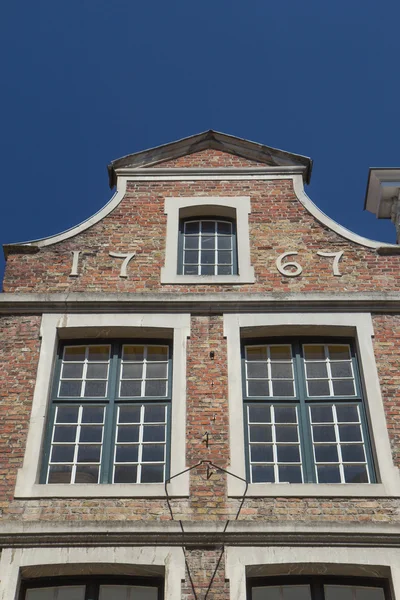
<point>59,474</point>
<point>72,371</point>
<point>208,226</point>
<point>353,453</point>
<point>321,414</point>
<point>258,388</point>
<point>155,388</point>
<point>259,414</point>
<point>324,433</point>
<point>152,474</point>
<point>224,257</point>
<point>97,353</point>
<point>316,370</point>
<point>127,453</point>
<point>224,228</point>
<point>280,352</point>
<point>257,369</point>
<point>128,433</point>
<point>328,474</point>
<point>225,270</point>
<point>285,414</point>
<point>154,414</point>
<point>157,353</point>
<point>130,388</point>
<point>208,243</point>
<point>343,387</point>
<point>192,227</point>
<point>154,433</point>
<point>125,592</point>
<point>314,352</point>
<point>290,474</point>
<point>153,453</point>
<point>156,370</point>
<point>355,473</point>
<point>332,592</point>
<point>64,434</point>
<point>341,369</point>
<point>347,413</point>
<point>281,370</point>
<point>337,352</point>
<point>89,453</point>
<point>207,257</point>
<point>67,414</point>
<point>261,474</point>
<point>75,353</point>
<point>125,474</point>
<point>56,593</point>
<point>97,371</point>
<point>261,453</point>
<point>288,454</point>
<point>93,414</point>
<point>190,270</point>
<point>325,453</point>
<point>224,242</point>
<point>129,414</point>
<point>350,433</point>
<point>63,454</point>
<point>256,353</point>
<point>191,257</point>
<point>283,388</point>
<point>70,389</point>
<point>91,434</point>
<point>286,433</point>
<point>318,387</point>
<point>87,474</point>
<point>191,242</point>
<point>207,270</point>
<point>135,353</point>
<point>95,389</point>
<point>260,433</point>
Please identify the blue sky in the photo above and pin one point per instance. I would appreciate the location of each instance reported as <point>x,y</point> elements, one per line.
<point>87,81</point>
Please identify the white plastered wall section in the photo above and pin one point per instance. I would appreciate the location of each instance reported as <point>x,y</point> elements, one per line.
<point>241,558</point>
<point>13,560</point>
<point>359,326</point>
<point>55,326</point>
<point>241,207</point>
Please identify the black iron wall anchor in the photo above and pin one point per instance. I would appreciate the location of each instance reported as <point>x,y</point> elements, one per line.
<point>211,469</point>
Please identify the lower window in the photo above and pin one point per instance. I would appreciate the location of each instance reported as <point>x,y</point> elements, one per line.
<point>304,413</point>
<point>302,588</point>
<point>93,588</point>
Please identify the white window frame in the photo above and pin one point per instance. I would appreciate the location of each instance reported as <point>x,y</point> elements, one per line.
<point>78,326</point>
<point>359,327</point>
<point>178,208</point>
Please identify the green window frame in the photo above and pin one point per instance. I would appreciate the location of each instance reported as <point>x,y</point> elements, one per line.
<point>304,412</point>
<point>207,246</point>
<point>99,587</point>
<point>109,415</point>
<point>317,588</point>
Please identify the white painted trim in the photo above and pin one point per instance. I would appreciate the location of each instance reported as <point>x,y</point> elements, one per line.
<point>53,326</point>
<point>309,205</point>
<point>358,326</point>
<point>12,560</point>
<point>241,206</point>
<point>308,561</point>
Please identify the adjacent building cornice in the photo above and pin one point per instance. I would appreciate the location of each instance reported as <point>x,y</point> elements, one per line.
<point>201,303</point>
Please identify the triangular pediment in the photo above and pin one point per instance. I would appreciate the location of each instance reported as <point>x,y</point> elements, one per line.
<point>254,154</point>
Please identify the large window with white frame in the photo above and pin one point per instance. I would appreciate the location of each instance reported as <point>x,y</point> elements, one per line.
<point>109,417</point>
<point>317,588</point>
<point>305,419</point>
<point>93,588</point>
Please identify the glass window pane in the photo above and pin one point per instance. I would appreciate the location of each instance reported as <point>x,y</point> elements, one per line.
<point>266,593</point>
<point>257,369</point>
<point>62,454</point>
<point>129,414</point>
<point>154,433</point>
<point>328,474</point>
<point>208,242</point>
<point>207,270</point>
<point>64,433</point>
<point>72,371</point>
<point>70,389</point>
<point>347,413</point>
<point>337,352</point>
<point>135,353</point>
<point>281,370</point>
<point>59,593</point>
<point>67,414</point>
<point>95,389</point>
<point>93,414</point>
<point>288,453</point>
<point>286,433</point>
<point>75,353</point>
<point>355,473</point>
<point>155,387</point>
<point>261,453</point>
<point>280,352</point>
<point>191,257</point>
<point>208,226</point>
<point>350,433</point>
<point>259,414</point>
<point>97,371</point>
<point>224,242</point>
<point>283,388</point>
<point>296,592</point>
<point>285,414</point>
<point>89,453</point>
<point>192,227</point>
<point>318,387</point>
<point>128,433</point>
<point>87,474</point>
<point>224,270</point>
<point>60,474</point>
<point>91,434</point>
<point>258,388</point>
<point>99,353</point>
<point>132,370</point>
<point>316,370</point>
<point>321,414</point>
<point>157,353</point>
<point>130,388</point>
<point>314,352</point>
<point>290,474</point>
<point>125,474</point>
<point>153,453</point>
<point>324,433</point>
<point>152,474</point>
<point>260,433</point>
<point>341,369</point>
<point>327,454</point>
<point>154,414</point>
<point>190,270</point>
<point>224,257</point>
<point>332,592</point>
<point>208,257</point>
<point>156,370</point>
<point>256,353</point>
<point>224,228</point>
<point>71,593</point>
<point>353,453</point>
<point>191,242</point>
<point>343,387</point>
<point>262,474</point>
<point>127,453</point>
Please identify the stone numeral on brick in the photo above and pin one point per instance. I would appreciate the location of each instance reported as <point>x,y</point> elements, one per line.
<point>127,258</point>
<point>336,257</point>
<point>286,268</point>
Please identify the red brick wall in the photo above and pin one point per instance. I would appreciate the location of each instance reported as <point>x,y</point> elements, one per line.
<point>278,223</point>
<point>211,158</point>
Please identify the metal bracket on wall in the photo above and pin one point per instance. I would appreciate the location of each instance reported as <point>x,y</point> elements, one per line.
<point>211,469</point>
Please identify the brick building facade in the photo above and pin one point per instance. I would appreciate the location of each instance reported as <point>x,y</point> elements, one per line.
<point>200,392</point>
